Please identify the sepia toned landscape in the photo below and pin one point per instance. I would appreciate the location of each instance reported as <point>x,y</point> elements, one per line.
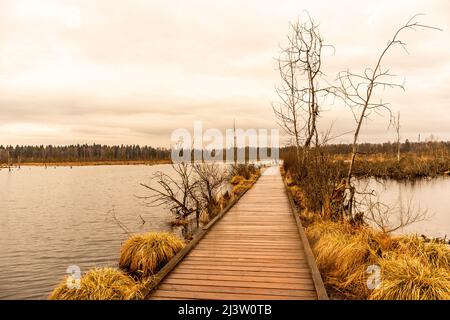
<point>208,150</point>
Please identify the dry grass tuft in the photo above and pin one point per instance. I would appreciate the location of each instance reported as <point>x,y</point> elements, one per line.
<point>236,180</point>
<point>434,253</point>
<point>327,227</point>
<point>145,254</point>
<point>407,278</point>
<point>411,268</point>
<point>241,184</point>
<point>342,257</point>
<point>100,284</point>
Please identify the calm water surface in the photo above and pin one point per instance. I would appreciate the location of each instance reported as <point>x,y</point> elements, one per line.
<point>431,196</point>
<point>55,217</point>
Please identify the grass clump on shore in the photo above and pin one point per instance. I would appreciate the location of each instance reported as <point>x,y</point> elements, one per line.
<point>342,255</point>
<point>241,183</point>
<point>99,284</point>
<point>411,268</point>
<point>236,180</point>
<point>143,255</point>
<point>405,277</point>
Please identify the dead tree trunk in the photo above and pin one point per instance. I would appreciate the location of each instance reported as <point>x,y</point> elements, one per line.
<point>357,91</point>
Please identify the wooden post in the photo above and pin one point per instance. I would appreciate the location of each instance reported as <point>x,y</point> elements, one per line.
<point>234,143</point>
<point>9,161</point>
<point>397,127</point>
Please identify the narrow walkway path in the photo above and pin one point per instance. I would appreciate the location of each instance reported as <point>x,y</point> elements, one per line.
<point>254,252</point>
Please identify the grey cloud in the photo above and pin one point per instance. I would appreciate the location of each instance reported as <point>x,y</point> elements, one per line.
<point>137,69</point>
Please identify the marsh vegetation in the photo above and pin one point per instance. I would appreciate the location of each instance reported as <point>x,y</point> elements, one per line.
<point>350,230</point>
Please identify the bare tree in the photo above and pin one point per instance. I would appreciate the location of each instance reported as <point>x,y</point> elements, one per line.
<point>9,160</point>
<point>397,130</point>
<point>122,226</point>
<point>209,179</point>
<point>175,194</point>
<point>192,189</point>
<point>389,219</point>
<point>358,92</point>
<point>289,110</point>
<point>299,67</point>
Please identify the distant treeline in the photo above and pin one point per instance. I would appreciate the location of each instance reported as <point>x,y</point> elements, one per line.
<point>430,148</point>
<point>421,148</point>
<point>97,152</point>
<point>101,153</point>
<point>80,153</point>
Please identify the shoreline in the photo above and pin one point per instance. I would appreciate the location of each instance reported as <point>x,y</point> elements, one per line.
<point>87,163</point>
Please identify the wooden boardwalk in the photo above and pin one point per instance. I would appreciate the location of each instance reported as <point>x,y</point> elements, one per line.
<point>255,252</point>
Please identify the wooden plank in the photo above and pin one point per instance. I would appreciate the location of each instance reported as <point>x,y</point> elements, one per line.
<point>251,273</point>
<point>250,255</point>
<point>238,290</point>
<point>240,284</point>
<point>269,240</point>
<point>298,269</point>
<point>249,246</point>
<point>250,260</point>
<point>162,294</point>
<point>225,277</point>
<point>243,263</point>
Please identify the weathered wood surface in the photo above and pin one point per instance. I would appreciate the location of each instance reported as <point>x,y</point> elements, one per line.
<point>254,252</point>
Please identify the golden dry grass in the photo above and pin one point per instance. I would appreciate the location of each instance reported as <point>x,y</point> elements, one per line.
<point>405,277</point>
<point>241,184</point>
<point>236,180</point>
<point>411,268</point>
<point>143,255</point>
<point>99,284</point>
<point>239,189</point>
<point>433,252</point>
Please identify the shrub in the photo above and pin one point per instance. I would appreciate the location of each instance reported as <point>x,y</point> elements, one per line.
<point>244,170</point>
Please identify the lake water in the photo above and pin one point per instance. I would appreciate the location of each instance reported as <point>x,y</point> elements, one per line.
<point>429,196</point>
<point>55,217</point>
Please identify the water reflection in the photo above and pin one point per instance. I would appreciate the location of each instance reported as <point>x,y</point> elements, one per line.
<point>430,196</point>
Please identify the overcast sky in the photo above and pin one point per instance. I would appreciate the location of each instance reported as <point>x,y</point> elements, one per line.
<point>132,71</point>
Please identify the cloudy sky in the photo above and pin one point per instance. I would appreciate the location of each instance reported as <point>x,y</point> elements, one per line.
<point>132,71</point>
